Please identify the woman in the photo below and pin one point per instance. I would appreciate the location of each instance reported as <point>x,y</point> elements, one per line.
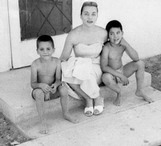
<point>82,72</point>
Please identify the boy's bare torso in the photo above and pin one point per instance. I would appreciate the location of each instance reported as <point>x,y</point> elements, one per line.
<point>46,71</point>
<point>115,56</point>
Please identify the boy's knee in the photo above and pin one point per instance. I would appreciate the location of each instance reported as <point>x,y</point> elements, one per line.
<point>140,64</point>
<point>38,94</point>
<point>106,78</point>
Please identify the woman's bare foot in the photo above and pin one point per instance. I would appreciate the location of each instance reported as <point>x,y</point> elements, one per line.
<point>117,101</point>
<point>98,105</point>
<point>71,119</point>
<point>88,111</point>
<point>140,93</point>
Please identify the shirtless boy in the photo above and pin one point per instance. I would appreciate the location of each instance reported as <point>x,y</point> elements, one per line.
<point>111,63</point>
<point>46,80</point>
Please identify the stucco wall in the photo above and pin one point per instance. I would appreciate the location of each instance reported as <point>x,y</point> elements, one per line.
<point>141,20</point>
<point>5,54</point>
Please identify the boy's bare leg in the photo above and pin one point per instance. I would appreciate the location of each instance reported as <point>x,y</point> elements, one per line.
<point>64,104</point>
<point>39,97</point>
<point>110,82</point>
<point>140,80</point>
<point>138,68</point>
<point>117,101</point>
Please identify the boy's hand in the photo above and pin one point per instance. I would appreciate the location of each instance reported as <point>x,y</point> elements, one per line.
<point>123,42</point>
<point>124,80</point>
<point>54,87</point>
<point>45,87</point>
<point>47,96</point>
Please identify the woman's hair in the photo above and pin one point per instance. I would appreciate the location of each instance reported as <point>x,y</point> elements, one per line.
<point>113,23</point>
<point>44,38</point>
<point>89,3</point>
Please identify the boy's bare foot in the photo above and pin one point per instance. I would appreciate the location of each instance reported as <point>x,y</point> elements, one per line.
<point>44,128</point>
<point>140,93</point>
<point>71,119</point>
<point>117,101</point>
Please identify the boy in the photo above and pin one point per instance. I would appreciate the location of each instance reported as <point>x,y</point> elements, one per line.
<point>46,80</point>
<point>111,63</point>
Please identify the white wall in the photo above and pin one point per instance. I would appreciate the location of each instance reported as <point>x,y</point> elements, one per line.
<point>141,20</point>
<point>5,55</point>
<point>24,52</point>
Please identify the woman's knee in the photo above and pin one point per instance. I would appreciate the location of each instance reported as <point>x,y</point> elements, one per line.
<point>63,91</point>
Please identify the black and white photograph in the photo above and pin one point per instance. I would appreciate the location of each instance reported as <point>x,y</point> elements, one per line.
<point>80,72</point>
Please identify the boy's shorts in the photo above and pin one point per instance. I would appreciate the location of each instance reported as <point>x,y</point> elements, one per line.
<point>52,96</point>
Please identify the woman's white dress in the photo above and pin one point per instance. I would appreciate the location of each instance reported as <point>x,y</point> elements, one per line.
<point>84,69</point>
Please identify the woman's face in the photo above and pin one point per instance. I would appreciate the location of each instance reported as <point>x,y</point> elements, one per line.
<point>89,15</point>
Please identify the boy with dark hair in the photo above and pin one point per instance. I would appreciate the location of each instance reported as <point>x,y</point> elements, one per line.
<point>114,71</point>
<point>46,80</point>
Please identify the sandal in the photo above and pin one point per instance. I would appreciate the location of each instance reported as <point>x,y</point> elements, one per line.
<point>98,109</point>
<point>88,111</point>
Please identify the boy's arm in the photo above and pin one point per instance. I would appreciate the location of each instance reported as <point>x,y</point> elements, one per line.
<point>132,53</point>
<point>34,83</point>
<point>58,74</point>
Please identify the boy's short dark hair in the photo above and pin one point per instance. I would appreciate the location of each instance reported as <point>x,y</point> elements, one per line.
<point>44,38</point>
<point>113,23</point>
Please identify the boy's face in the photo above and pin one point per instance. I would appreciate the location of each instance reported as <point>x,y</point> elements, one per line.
<point>115,35</point>
<point>45,49</point>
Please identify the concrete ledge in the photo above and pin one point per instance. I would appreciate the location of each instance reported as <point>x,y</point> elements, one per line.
<point>139,126</point>
<point>17,104</point>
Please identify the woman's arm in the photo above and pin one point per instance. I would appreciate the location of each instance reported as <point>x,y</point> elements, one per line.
<point>67,47</point>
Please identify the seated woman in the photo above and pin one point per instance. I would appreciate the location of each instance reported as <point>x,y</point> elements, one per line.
<point>82,73</point>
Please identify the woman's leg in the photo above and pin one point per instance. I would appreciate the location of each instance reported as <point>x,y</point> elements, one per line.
<point>64,100</point>
<point>89,102</point>
<point>79,91</point>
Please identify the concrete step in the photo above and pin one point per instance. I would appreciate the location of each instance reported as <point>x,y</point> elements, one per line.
<point>17,104</point>
<point>134,121</point>
<point>139,126</point>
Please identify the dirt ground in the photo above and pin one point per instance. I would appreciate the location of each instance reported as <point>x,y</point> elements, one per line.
<point>153,66</point>
<point>10,135</point>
